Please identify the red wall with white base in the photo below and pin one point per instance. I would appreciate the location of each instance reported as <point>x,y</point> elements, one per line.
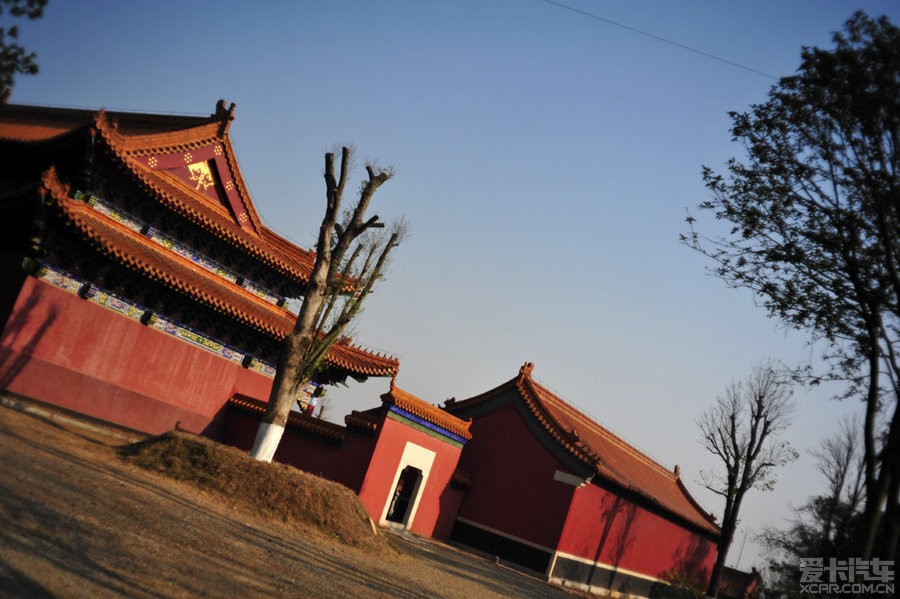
<point>63,350</point>
<point>515,495</point>
<point>368,463</point>
<point>513,489</point>
<point>606,528</point>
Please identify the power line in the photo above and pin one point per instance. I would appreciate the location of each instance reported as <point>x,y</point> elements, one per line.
<point>658,38</point>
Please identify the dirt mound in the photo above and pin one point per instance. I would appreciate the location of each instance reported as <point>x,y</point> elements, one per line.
<point>272,490</point>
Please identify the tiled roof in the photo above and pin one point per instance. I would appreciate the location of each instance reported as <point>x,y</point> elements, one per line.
<point>367,420</point>
<point>135,251</point>
<point>261,242</point>
<point>130,136</point>
<point>24,123</point>
<point>344,354</point>
<point>427,412</point>
<point>296,420</point>
<point>175,194</point>
<point>607,454</point>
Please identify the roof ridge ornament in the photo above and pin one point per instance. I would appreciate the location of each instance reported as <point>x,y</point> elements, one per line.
<point>88,160</point>
<point>226,115</point>
<point>526,369</point>
<point>107,126</point>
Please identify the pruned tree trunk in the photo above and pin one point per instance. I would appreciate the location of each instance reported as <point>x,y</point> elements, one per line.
<point>281,398</point>
<point>348,262</point>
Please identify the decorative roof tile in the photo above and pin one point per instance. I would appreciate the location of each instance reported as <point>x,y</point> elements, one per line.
<point>345,354</point>
<point>261,242</point>
<point>607,454</point>
<point>24,123</point>
<point>424,410</point>
<point>176,195</point>
<point>367,420</point>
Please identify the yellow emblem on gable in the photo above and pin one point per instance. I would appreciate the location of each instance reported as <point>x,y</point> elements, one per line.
<point>201,175</point>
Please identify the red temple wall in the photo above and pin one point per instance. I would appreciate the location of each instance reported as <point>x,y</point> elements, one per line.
<point>367,464</point>
<point>449,503</point>
<point>606,528</point>
<point>438,501</point>
<point>12,275</point>
<point>71,352</point>
<point>513,489</point>
<point>344,463</point>
<point>356,453</point>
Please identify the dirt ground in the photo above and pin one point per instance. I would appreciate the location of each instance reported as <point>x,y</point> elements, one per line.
<point>76,521</point>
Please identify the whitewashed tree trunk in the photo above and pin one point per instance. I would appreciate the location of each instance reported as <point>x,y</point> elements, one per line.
<point>268,436</point>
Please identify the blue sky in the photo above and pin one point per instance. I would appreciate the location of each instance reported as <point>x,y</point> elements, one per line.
<point>544,158</point>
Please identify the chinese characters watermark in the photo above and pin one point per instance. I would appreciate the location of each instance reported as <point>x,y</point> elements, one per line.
<point>853,575</point>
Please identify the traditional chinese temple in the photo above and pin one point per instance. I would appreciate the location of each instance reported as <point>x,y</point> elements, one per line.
<point>555,491</point>
<point>139,284</point>
<point>141,287</point>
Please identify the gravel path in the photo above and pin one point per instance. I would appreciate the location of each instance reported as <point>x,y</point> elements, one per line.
<point>75,521</point>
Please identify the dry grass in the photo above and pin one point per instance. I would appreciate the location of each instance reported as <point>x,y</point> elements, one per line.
<point>272,490</point>
<point>78,521</point>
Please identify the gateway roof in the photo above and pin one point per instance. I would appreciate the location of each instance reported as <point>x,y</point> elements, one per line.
<point>422,409</point>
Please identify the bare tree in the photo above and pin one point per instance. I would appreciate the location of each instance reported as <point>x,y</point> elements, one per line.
<point>840,461</point>
<point>743,430</point>
<point>827,525</point>
<point>350,257</point>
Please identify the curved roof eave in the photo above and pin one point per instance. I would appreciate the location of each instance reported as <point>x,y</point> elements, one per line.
<point>284,256</point>
<point>135,252</point>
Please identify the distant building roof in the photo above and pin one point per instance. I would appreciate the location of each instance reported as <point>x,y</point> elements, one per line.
<point>605,453</point>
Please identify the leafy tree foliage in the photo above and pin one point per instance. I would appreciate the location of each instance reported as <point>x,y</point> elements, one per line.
<point>13,56</point>
<point>742,429</point>
<point>813,219</point>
